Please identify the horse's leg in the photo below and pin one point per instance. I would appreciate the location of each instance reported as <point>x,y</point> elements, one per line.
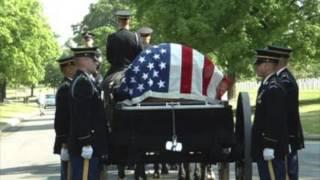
<point>164,168</point>
<point>156,174</point>
<point>196,172</point>
<point>140,171</point>
<point>183,171</point>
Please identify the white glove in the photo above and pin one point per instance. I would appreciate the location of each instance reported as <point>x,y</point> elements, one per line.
<point>87,152</point>
<point>64,154</point>
<point>268,154</point>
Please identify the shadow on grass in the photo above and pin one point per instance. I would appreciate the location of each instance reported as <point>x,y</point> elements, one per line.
<point>309,102</point>
<point>311,122</point>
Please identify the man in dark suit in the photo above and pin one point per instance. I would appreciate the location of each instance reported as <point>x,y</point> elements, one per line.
<point>88,129</point>
<point>296,139</point>
<point>62,115</point>
<point>270,128</point>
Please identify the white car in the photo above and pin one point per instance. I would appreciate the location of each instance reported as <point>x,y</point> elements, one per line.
<point>50,100</point>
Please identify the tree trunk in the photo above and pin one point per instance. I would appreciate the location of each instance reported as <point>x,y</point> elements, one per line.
<point>4,89</point>
<point>3,84</point>
<point>32,90</point>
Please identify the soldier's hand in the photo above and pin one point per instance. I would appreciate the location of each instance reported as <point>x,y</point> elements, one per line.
<point>87,152</point>
<point>64,154</point>
<point>268,154</point>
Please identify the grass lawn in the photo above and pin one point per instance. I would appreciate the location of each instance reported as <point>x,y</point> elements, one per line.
<point>309,109</point>
<point>13,110</point>
<point>14,106</point>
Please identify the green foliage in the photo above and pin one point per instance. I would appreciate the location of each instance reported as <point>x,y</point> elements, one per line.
<point>27,43</point>
<point>228,30</point>
<point>101,21</point>
<point>232,29</point>
<point>53,75</point>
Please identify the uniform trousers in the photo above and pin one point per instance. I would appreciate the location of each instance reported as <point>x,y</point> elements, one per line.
<point>65,170</point>
<point>94,169</point>
<point>293,165</point>
<point>275,169</point>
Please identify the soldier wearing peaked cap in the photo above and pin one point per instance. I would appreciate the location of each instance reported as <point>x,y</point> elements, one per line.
<point>296,140</point>
<point>270,129</point>
<point>88,129</point>
<point>145,35</point>
<point>88,39</point>
<point>122,46</point>
<point>62,115</point>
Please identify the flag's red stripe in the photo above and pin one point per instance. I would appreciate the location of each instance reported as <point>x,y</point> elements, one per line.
<point>208,68</point>
<point>186,70</point>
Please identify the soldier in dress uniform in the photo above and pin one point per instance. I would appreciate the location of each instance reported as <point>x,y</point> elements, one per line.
<point>296,139</point>
<point>88,129</point>
<point>122,47</point>
<point>88,39</point>
<point>145,36</point>
<point>270,128</point>
<point>62,115</point>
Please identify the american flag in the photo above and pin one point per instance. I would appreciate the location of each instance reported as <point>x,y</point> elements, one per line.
<point>171,71</point>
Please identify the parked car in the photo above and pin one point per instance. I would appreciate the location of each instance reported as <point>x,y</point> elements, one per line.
<point>50,100</point>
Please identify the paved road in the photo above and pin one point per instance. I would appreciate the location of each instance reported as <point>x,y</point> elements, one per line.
<point>26,153</point>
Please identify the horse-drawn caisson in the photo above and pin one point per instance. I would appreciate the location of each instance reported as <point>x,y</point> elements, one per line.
<point>166,107</point>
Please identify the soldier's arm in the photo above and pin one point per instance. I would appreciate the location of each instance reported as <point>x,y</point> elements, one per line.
<point>109,52</point>
<point>82,92</point>
<point>139,45</point>
<point>61,121</point>
<point>275,116</point>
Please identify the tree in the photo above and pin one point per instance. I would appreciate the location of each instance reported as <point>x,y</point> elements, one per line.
<point>232,29</point>
<point>27,42</point>
<point>101,21</point>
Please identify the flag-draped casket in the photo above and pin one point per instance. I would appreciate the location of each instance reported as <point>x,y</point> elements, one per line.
<point>172,71</point>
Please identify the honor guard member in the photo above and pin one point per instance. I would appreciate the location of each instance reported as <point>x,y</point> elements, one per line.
<point>62,115</point>
<point>122,46</point>
<point>88,131</point>
<point>145,36</point>
<point>296,140</point>
<point>88,40</point>
<point>269,130</point>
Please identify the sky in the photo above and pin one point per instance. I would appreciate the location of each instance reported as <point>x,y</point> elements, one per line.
<point>61,14</point>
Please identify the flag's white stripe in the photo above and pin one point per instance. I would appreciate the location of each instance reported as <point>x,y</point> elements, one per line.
<point>197,68</point>
<point>215,80</point>
<point>175,68</point>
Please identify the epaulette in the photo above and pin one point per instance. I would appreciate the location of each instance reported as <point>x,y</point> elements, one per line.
<point>64,84</point>
<point>284,77</point>
<point>79,78</point>
<point>274,83</point>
